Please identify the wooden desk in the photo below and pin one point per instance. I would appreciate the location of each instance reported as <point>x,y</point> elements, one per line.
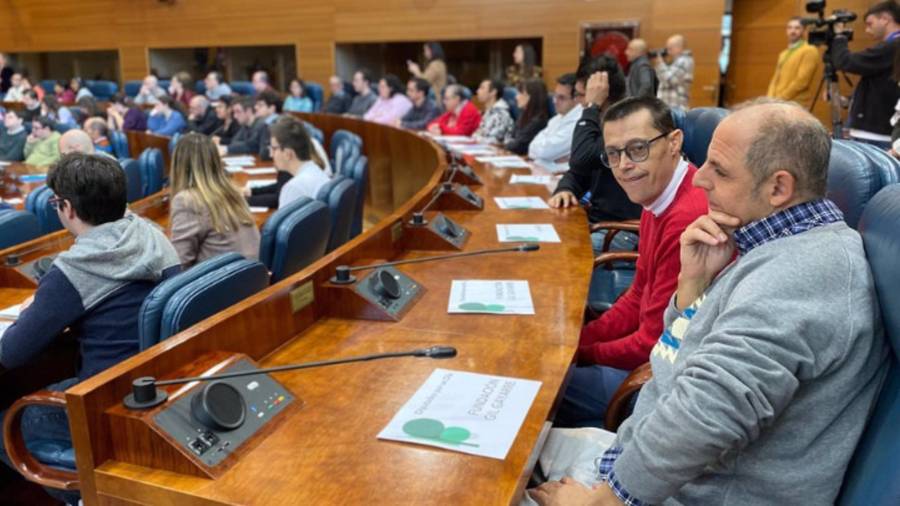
<point>139,141</point>
<point>326,451</point>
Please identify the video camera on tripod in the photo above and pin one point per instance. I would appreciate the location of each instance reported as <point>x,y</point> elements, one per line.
<point>823,32</point>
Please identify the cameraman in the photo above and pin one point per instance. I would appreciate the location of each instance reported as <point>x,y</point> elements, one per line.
<point>870,109</point>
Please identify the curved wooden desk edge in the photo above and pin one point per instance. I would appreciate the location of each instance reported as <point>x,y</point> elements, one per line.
<point>88,400</point>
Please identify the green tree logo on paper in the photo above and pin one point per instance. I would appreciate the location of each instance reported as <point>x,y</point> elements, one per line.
<point>482,307</point>
<point>523,238</point>
<point>434,430</point>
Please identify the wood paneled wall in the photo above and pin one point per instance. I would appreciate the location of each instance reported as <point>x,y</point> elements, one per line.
<point>315,26</point>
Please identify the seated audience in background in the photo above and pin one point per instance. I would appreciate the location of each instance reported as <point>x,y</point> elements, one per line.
<point>180,88</point>
<point>603,84</point>
<point>12,137</point>
<point>297,101</point>
<point>76,84</point>
<point>423,110</point>
<point>165,119</point>
<point>150,91</point>
<point>60,114</point>
<point>228,127</point>
<point>42,145</point>
<point>250,134</point>
<point>39,90</point>
<point>260,81</point>
<point>208,215</point>
<point>642,80</point>
<point>461,118</point>
<point>99,133</point>
<point>216,87</point>
<point>6,72</point>
<point>553,144</point>
<point>643,150</point>
<point>496,122</point>
<point>16,90</point>
<point>676,77</point>
<point>32,105</point>
<point>293,152</point>
<point>95,289</point>
<point>122,115</point>
<point>87,107</point>
<point>532,102</point>
<point>524,65</point>
<point>391,104</point>
<point>202,117</point>
<point>766,374</point>
<point>435,66</point>
<point>364,99</point>
<point>339,101</point>
<point>267,106</point>
<point>63,93</point>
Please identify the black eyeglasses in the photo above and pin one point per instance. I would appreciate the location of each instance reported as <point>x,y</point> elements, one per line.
<point>637,151</point>
<point>55,202</point>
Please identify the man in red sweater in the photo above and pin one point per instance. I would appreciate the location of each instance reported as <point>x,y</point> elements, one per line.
<point>643,149</point>
<point>461,118</point>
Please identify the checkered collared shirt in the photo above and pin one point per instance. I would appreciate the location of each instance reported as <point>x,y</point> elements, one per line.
<point>605,469</point>
<point>675,80</point>
<point>791,221</point>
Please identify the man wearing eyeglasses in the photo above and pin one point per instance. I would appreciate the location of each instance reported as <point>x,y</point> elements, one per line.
<point>643,150</point>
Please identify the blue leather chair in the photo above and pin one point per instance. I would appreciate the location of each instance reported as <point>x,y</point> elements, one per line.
<point>200,87</point>
<point>32,198</point>
<point>887,166</point>
<point>242,88</point>
<point>314,132</point>
<point>509,95</point>
<point>315,93</point>
<point>152,174</point>
<point>699,126</point>
<point>133,184</point>
<point>360,176</point>
<point>102,90</point>
<point>119,143</point>
<point>679,117</point>
<point>339,138</point>
<point>294,236</point>
<point>164,83</point>
<point>38,203</point>
<point>62,127</point>
<point>339,195</point>
<point>872,477</point>
<point>132,88</point>
<point>47,85</point>
<point>852,180</point>
<point>344,149</point>
<point>198,293</point>
<point>174,142</point>
<point>17,227</point>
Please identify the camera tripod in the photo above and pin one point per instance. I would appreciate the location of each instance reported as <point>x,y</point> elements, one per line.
<point>830,79</point>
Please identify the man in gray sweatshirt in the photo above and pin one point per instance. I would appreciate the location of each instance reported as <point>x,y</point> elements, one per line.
<point>773,352</point>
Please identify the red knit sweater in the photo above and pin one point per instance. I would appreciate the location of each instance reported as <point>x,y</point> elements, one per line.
<point>623,336</point>
<point>465,124</point>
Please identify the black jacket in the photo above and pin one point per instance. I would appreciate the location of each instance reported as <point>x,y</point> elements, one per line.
<point>642,80</point>
<point>226,133</point>
<point>248,139</point>
<point>338,104</point>
<point>267,196</point>
<point>587,173</point>
<point>877,93</point>
<point>524,134</point>
<point>207,124</point>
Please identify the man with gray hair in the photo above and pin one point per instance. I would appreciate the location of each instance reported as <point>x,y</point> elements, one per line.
<point>150,91</point>
<point>201,117</point>
<point>773,352</point>
<point>461,118</point>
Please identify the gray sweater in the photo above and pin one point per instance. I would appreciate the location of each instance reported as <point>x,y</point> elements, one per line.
<point>761,397</point>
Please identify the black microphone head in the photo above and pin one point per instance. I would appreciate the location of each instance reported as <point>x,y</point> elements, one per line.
<point>531,246</point>
<point>144,394</point>
<point>440,352</point>
<point>342,276</point>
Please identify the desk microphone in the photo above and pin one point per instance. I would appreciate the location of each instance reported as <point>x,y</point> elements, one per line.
<point>342,274</point>
<point>144,393</point>
<point>418,217</point>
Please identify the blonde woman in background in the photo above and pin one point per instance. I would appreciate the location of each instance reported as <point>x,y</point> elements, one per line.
<point>208,215</point>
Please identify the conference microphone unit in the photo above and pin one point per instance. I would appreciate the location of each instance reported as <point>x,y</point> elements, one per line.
<point>460,172</point>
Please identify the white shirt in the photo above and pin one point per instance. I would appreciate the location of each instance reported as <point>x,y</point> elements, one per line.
<point>665,199</point>
<point>555,141</point>
<point>306,183</point>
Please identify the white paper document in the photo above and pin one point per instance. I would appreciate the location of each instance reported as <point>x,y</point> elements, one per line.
<point>472,413</point>
<point>499,158</point>
<point>239,161</point>
<point>512,164</point>
<point>490,297</point>
<point>259,209</point>
<point>233,169</point>
<point>521,179</point>
<point>521,203</point>
<point>257,183</point>
<point>261,171</point>
<point>14,201</point>
<point>458,139</point>
<point>11,313</point>
<point>539,232</point>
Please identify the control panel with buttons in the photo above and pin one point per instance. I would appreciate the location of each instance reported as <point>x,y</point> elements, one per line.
<point>388,288</point>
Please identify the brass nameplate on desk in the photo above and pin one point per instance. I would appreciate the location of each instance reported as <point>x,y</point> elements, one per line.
<point>302,296</point>
<point>396,231</point>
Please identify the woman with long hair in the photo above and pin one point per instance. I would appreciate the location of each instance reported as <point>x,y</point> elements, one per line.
<point>392,103</point>
<point>180,88</point>
<point>208,216</point>
<point>435,67</point>
<point>524,65</point>
<point>532,101</point>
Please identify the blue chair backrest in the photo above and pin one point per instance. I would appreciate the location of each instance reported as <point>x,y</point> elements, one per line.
<point>339,195</point>
<point>551,107</point>
<point>314,132</point>
<point>360,176</point>
<point>200,87</point>
<point>62,127</point>
<point>48,219</point>
<point>346,156</point>
<point>509,96</point>
<point>700,124</point>
<point>17,227</point>
<point>339,137</point>
<point>887,167</point>
<point>315,93</point>
<point>294,236</point>
<point>132,88</point>
<point>852,180</point>
<point>150,316</point>
<point>134,186</point>
<point>119,142</point>
<point>872,477</point>
<point>242,87</point>
<point>174,142</point>
<point>48,85</point>
<point>151,165</point>
<point>102,90</point>
<point>164,83</point>
<point>32,199</point>
<point>679,117</point>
